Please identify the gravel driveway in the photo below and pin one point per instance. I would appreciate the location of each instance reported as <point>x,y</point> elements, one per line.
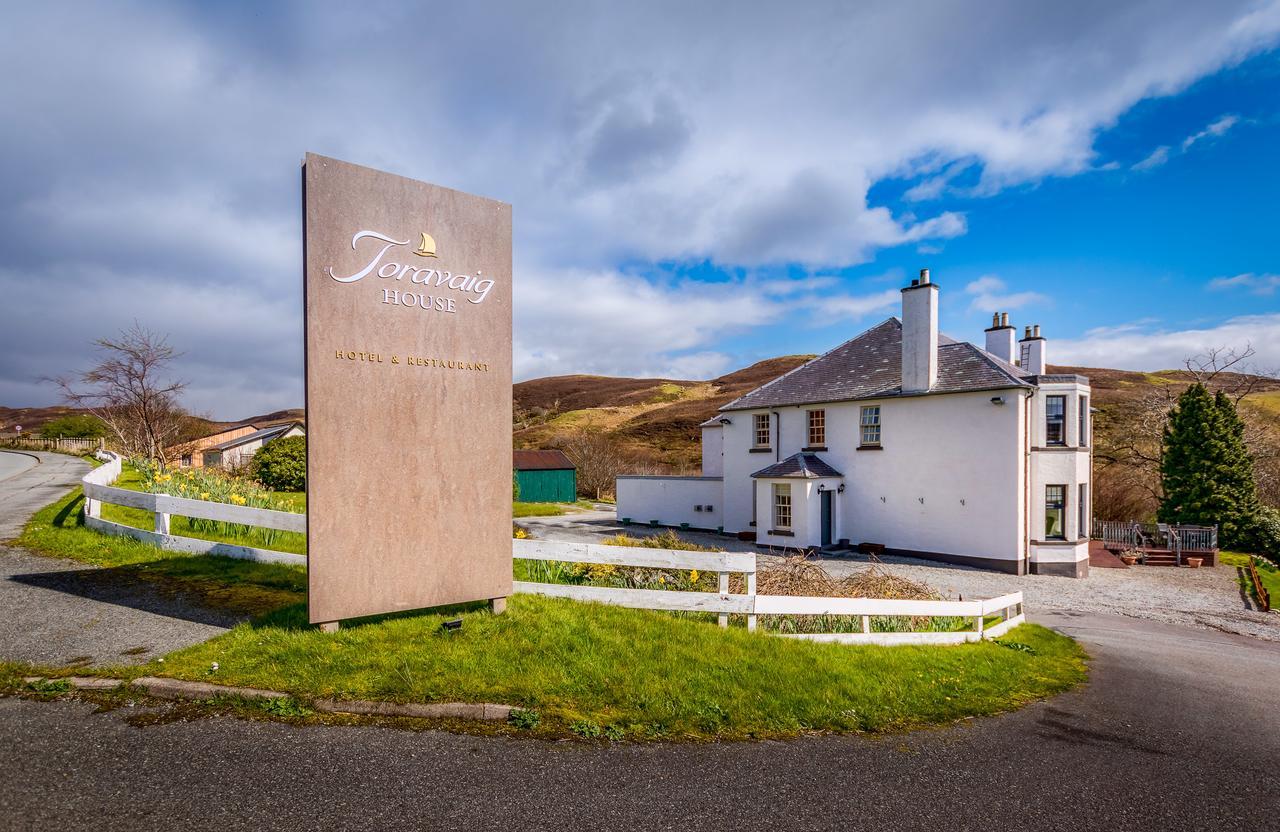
<point>1206,597</point>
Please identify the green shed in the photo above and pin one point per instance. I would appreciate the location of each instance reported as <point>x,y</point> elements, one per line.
<point>545,477</point>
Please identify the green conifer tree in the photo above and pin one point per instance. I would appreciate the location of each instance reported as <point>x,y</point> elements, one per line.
<point>1205,469</point>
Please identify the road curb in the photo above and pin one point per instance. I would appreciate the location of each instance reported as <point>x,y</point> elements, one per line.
<point>163,688</point>
<point>438,710</point>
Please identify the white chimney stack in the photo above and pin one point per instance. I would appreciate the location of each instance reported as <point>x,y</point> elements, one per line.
<point>1032,346</point>
<point>1001,338</point>
<point>920,335</point>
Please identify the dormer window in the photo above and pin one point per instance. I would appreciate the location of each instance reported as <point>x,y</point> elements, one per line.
<point>762,430</point>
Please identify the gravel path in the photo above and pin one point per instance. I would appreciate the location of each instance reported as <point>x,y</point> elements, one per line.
<point>63,612</point>
<point>1209,598</point>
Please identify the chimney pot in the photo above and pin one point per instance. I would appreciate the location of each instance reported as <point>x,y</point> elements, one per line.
<point>1026,333</point>
<point>1036,330</point>
<point>995,319</point>
<point>915,282</point>
<point>924,275</point>
<point>1004,319</point>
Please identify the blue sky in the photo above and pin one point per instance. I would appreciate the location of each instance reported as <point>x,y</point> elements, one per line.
<point>689,196</point>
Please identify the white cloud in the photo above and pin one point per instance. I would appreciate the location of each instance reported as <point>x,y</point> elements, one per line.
<point>1157,158</point>
<point>1146,348</point>
<point>635,134</point>
<point>990,294</point>
<point>1215,129</point>
<point>1258,284</point>
<point>1162,153</point>
<point>610,323</point>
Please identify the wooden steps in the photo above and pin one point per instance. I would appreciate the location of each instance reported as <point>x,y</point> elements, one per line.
<point>1160,557</point>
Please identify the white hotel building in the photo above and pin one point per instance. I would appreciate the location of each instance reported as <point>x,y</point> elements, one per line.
<point>904,438</point>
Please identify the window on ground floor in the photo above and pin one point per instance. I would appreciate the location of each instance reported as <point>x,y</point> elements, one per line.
<point>1055,507</point>
<point>817,428</point>
<point>186,460</point>
<point>782,506</point>
<point>870,425</point>
<point>762,430</point>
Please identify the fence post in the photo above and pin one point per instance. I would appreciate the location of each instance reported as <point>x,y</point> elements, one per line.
<point>866,625</point>
<point>724,592</point>
<point>751,590</point>
<point>162,523</point>
<point>980,623</point>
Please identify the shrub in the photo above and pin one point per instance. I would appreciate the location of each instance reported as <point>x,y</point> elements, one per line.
<point>526,719</point>
<point>81,426</point>
<point>281,464</point>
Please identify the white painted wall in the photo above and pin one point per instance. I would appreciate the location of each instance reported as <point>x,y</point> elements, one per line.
<point>713,451</point>
<point>960,453</point>
<point>1068,465</point>
<point>671,500</point>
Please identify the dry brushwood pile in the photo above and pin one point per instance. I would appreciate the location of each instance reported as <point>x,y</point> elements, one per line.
<point>798,576</point>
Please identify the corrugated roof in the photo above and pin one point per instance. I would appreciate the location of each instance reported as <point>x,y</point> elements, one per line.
<point>805,466</point>
<point>870,367</point>
<point>540,461</point>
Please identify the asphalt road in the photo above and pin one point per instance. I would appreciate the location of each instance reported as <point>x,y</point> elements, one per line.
<point>1177,730</point>
<point>61,612</point>
<point>12,462</point>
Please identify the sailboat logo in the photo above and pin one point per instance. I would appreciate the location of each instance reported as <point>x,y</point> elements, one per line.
<point>426,248</point>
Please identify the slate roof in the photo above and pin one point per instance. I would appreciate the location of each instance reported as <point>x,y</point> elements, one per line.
<point>870,367</point>
<point>540,461</point>
<point>266,435</point>
<point>802,466</point>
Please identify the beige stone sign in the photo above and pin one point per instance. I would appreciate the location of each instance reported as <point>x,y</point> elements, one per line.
<point>408,354</point>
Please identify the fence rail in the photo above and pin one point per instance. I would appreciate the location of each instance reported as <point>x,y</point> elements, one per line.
<point>750,604</point>
<point>99,490</point>
<point>1259,589</point>
<point>65,445</point>
<point>1139,536</point>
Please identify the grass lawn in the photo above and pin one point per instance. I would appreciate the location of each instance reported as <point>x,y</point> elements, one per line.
<point>593,670</point>
<point>519,509</point>
<point>241,587</point>
<point>584,669</point>
<point>1267,571</point>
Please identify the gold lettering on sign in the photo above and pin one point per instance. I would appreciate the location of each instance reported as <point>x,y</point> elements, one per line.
<point>367,357</point>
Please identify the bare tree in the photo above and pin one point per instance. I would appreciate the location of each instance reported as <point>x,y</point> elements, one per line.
<point>130,390</point>
<point>1127,449</point>
<point>598,459</point>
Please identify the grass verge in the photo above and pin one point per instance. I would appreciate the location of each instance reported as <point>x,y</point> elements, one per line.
<point>240,587</point>
<point>519,509</point>
<point>595,670</point>
<point>1268,572</point>
<point>573,669</point>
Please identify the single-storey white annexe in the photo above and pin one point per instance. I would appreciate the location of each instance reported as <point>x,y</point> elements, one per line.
<point>905,438</point>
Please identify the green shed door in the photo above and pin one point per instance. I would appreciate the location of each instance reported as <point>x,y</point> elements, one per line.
<point>558,486</point>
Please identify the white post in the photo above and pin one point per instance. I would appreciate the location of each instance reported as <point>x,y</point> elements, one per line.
<point>866,625</point>
<point>724,594</point>
<point>980,636</point>
<point>92,508</point>
<point>162,523</point>
<point>751,590</point>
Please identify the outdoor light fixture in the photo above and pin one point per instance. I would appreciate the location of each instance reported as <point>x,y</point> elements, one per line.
<point>451,625</point>
<point>726,421</point>
<point>997,400</point>
<point>821,488</point>
<point>840,488</point>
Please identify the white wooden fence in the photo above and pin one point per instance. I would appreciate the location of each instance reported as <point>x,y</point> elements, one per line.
<point>61,444</point>
<point>1009,607</point>
<point>98,490</point>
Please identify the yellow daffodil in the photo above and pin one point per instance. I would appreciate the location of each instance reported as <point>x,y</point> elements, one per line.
<point>204,495</point>
<point>693,577</point>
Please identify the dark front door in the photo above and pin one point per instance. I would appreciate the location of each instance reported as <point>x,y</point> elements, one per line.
<point>826,518</point>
